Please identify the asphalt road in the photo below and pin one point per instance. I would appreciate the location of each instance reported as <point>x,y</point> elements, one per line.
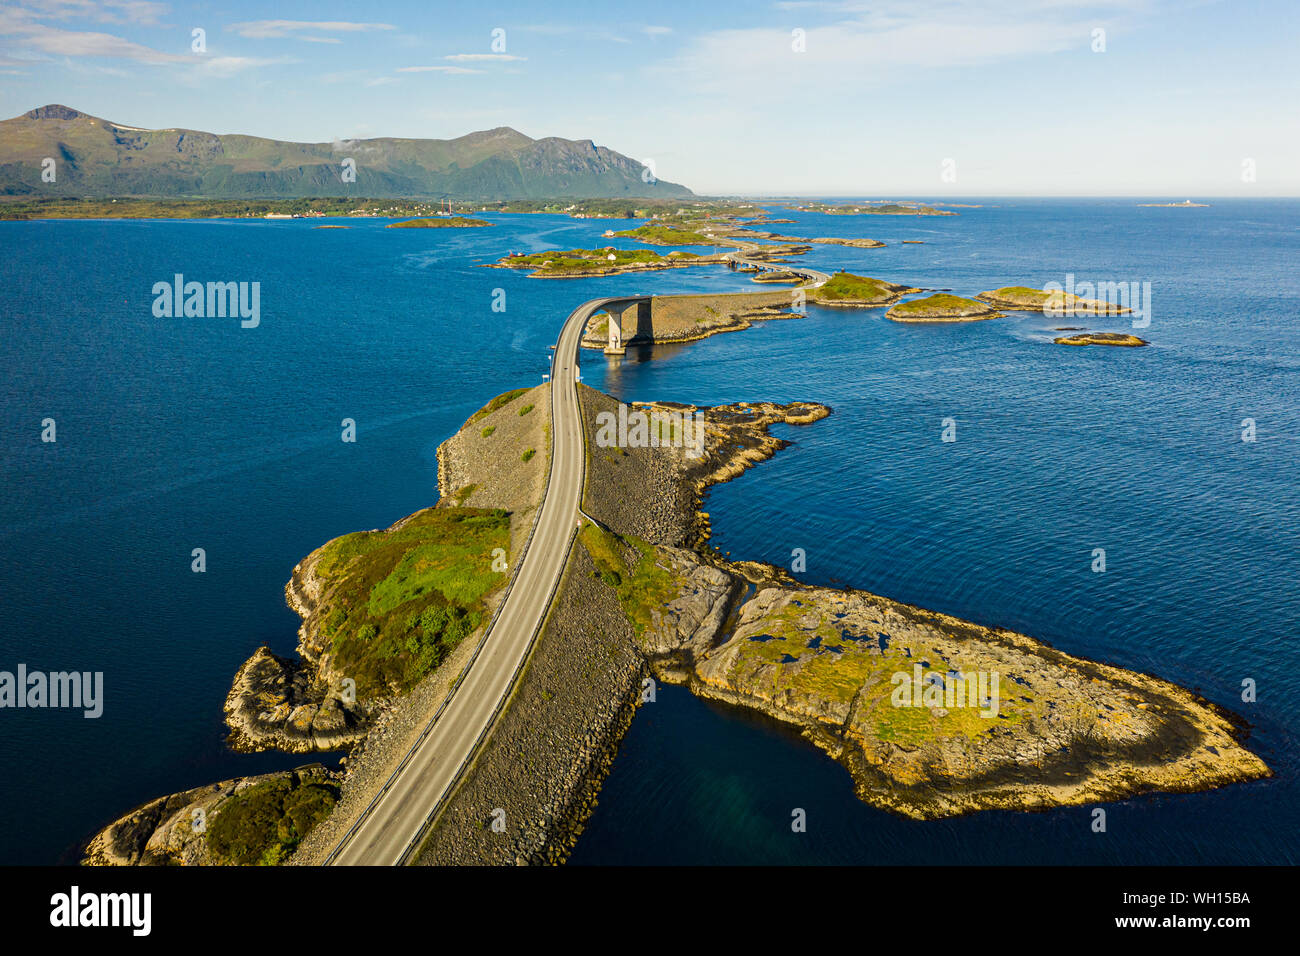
<point>390,831</point>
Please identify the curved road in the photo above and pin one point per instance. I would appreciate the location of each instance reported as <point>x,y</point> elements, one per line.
<point>391,829</point>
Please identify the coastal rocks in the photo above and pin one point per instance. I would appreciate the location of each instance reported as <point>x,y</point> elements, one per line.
<point>277,703</point>
<point>172,830</point>
<point>687,626</point>
<point>1101,338</point>
<point>942,307</point>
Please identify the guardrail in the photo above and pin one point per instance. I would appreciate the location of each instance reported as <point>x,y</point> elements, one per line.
<point>428,727</point>
<point>414,844</point>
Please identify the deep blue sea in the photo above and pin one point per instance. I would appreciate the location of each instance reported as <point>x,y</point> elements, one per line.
<point>183,433</point>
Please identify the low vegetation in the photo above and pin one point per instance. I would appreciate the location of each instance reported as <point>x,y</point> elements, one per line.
<point>845,286</point>
<point>449,222</point>
<point>643,587</point>
<point>662,234</point>
<point>405,598</point>
<point>502,400</point>
<point>263,824</point>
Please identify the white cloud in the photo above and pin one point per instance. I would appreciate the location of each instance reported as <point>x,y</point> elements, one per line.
<point>474,57</point>
<point>282,29</point>
<point>849,45</point>
<point>435,69</point>
<point>142,12</point>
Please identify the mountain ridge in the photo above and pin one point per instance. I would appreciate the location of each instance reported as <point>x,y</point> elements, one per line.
<point>96,157</point>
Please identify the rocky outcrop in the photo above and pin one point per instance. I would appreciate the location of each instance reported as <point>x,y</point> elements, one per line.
<point>1101,338</point>
<point>282,704</point>
<point>942,307</point>
<point>1055,303</point>
<point>935,716</point>
<point>172,830</point>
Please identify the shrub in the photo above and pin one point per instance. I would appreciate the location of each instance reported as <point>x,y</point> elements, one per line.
<point>264,823</point>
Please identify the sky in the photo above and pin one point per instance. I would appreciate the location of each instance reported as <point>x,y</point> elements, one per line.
<point>1176,98</point>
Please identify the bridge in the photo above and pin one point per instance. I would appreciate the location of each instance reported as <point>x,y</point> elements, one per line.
<point>634,318</point>
<point>391,829</point>
<point>393,826</point>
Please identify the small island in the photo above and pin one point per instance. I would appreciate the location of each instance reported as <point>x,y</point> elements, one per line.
<point>942,307</point>
<point>1101,338</point>
<point>585,263</point>
<point>1019,298</point>
<point>432,222</point>
<point>847,289</point>
<point>872,209</point>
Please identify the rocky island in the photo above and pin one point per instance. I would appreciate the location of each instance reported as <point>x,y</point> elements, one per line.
<point>1020,298</point>
<point>873,209</point>
<point>586,263</point>
<point>1101,338</point>
<point>846,289</point>
<point>434,222</point>
<point>942,307</point>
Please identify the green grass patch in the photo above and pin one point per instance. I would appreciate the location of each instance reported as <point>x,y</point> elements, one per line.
<point>487,432</point>
<point>264,823</point>
<point>505,398</point>
<point>665,235</point>
<point>525,410</point>
<point>940,302</point>
<point>847,286</point>
<point>528,455</point>
<point>404,599</point>
<point>643,587</point>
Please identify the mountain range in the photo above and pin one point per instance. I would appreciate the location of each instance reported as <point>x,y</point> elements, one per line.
<point>94,157</point>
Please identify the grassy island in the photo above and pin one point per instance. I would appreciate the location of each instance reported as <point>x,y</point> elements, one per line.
<point>942,307</point>
<point>661,234</point>
<point>430,222</point>
<point>400,600</point>
<point>1019,298</point>
<point>845,288</point>
<point>580,263</point>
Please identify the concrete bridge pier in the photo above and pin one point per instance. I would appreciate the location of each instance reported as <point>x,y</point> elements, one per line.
<point>615,345</point>
<point>629,323</point>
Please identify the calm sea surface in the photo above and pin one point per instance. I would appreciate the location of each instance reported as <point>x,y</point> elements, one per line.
<point>176,434</point>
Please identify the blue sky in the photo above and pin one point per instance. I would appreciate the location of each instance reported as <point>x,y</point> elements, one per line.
<point>883,99</point>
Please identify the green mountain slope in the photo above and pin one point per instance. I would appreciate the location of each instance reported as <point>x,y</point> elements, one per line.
<point>96,157</point>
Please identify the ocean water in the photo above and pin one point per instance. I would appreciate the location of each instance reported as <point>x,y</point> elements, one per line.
<point>175,434</point>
